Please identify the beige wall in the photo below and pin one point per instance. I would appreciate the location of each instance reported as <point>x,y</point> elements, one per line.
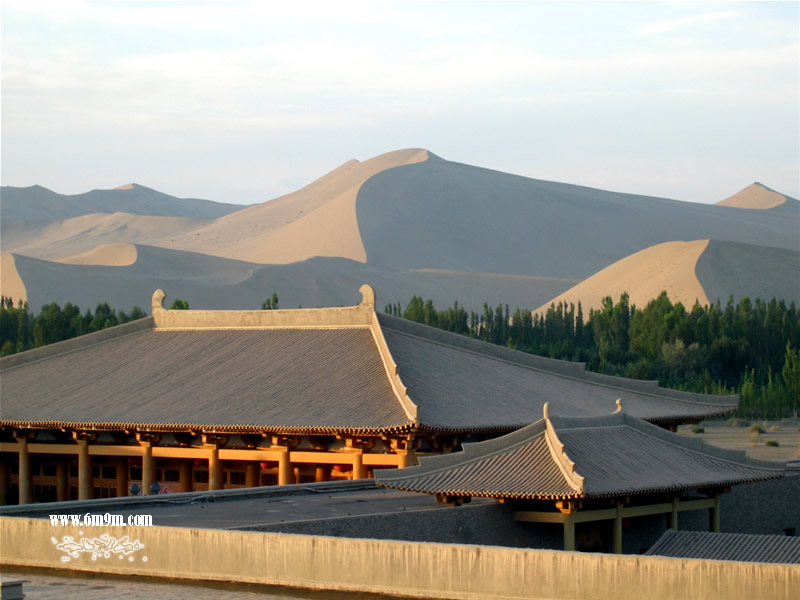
<point>403,568</point>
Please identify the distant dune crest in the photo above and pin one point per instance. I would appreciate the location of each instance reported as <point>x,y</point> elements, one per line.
<point>756,196</point>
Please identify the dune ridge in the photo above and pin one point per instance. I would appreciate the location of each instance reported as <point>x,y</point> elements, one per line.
<point>644,275</point>
<point>317,220</point>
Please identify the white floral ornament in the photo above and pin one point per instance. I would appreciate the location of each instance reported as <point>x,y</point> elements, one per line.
<point>102,547</point>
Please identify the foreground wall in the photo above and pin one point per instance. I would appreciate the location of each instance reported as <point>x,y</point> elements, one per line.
<point>390,567</point>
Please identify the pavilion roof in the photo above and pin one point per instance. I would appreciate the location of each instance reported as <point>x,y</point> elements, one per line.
<point>321,371</point>
<point>560,458</point>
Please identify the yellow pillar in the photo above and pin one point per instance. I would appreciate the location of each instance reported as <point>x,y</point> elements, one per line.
<point>673,515</point>
<point>122,477</point>
<point>252,473</point>
<point>148,469</point>
<point>616,537</point>
<point>62,479</point>
<point>3,482</point>
<point>25,473</point>
<point>215,475</point>
<point>358,466</point>
<point>84,471</point>
<point>715,514</point>
<point>285,471</point>
<point>185,476</point>
<point>407,458</point>
<point>323,473</point>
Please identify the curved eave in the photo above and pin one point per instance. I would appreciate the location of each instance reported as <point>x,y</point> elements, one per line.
<point>577,495</point>
<point>401,428</point>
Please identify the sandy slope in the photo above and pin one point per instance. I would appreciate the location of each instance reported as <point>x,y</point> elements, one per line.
<point>317,220</point>
<point>644,275</point>
<point>120,254</point>
<point>755,196</point>
<point>11,284</point>
<point>85,233</point>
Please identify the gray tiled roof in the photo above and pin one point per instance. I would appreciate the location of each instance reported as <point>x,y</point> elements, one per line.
<point>728,546</point>
<point>319,371</point>
<point>561,457</point>
<point>278,379</point>
<point>462,383</point>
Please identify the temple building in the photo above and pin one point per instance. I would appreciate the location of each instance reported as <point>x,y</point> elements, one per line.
<point>580,471</point>
<point>205,400</point>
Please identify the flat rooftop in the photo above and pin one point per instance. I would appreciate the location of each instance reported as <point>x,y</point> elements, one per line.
<point>248,507</point>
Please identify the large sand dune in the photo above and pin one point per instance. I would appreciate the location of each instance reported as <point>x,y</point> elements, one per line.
<point>702,271</point>
<point>408,222</point>
<point>318,220</point>
<point>644,275</point>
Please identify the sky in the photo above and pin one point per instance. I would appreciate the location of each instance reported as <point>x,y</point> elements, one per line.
<point>245,101</point>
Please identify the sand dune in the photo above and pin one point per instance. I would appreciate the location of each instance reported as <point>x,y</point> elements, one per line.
<point>408,222</point>
<point>85,233</point>
<point>756,196</point>
<point>317,220</point>
<point>11,284</point>
<point>644,275</point>
<point>120,254</point>
<point>744,270</point>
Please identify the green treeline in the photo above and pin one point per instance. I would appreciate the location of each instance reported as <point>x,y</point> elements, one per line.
<point>750,347</point>
<point>21,330</point>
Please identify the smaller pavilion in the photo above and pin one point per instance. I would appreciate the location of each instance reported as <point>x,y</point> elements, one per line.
<point>575,470</point>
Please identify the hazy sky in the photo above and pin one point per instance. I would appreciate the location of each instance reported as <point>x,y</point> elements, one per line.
<point>245,101</point>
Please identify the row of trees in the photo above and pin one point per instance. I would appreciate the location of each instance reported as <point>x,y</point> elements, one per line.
<point>746,347</point>
<point>20,329</point>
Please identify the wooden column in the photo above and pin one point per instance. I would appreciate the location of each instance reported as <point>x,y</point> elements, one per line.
<point>285,471</point>
<point>252,473</point>
<point>616,536</point>
<point>568,509</point>
<point>284,444</point>
<point>25,476</point>
<point>215,474</point>
<point>122,477</point>
<point>62,478</point>
<point>213,442</point>
<point>404,449</point>
<point>3,481</point>
<point>673,515</point>
<point>84,471</point>
<point>322,473</point>
<point>715,513</point>
<point>358,465</point>
<point>186,475</point>
<point>147,440</point>
<point>569,533</point>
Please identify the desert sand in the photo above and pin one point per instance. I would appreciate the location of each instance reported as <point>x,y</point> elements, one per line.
<point>120,254</point>
<point>755,196</point>
<point>11,285</point>
<point>669,266</point>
